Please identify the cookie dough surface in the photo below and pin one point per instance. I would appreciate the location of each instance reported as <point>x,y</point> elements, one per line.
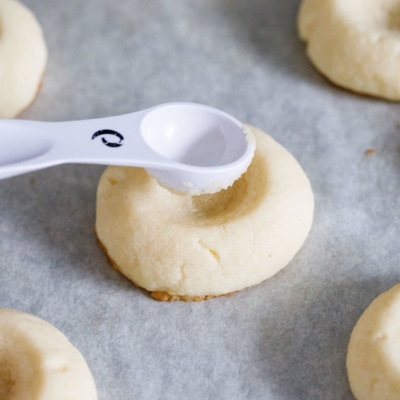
<point>207,245</point>
<point>373,358</point>
<point>355,44</point>
<point>37,362</point>
<point>23,57</point>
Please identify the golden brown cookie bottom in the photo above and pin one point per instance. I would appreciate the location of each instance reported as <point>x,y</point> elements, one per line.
<point>160,295</point>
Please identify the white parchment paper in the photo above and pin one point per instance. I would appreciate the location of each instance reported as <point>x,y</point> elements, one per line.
<point>284,339</point>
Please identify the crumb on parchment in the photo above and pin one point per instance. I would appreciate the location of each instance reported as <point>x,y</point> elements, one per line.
<point>369,152</point>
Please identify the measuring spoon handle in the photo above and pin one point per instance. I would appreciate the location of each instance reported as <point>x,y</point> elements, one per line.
<point>31,145</point>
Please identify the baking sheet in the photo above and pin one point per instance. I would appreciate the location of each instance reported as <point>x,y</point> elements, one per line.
<point>283,339</point>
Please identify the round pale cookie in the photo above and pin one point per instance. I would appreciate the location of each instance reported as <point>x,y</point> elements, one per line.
<point>355,43</point>
<point>373,357</point>
<point>23,57</point>
<point>37,362</point>
<point>183,247</point>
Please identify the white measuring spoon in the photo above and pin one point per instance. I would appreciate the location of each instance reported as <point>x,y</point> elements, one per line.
<point>186,147</point>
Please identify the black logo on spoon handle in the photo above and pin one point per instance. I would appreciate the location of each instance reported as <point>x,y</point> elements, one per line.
<point>109,132</point>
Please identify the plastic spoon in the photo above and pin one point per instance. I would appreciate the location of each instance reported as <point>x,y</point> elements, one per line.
<point>186,147</point>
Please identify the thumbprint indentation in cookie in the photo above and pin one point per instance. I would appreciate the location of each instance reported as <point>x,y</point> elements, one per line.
<point>17,371</point>
<point>234,202</point>
<point>372,15</point>
<point>383,15</point>
<point>393,17</point>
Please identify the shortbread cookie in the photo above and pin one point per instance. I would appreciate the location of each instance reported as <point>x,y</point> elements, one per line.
<point>23,57</point>
<point>373,357</point>
<point>37,362</point>
<point>355,43</point>
<point>183,247</point>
